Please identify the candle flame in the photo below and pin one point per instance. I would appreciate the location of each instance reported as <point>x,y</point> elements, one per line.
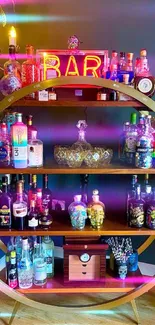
<point>12,32</point>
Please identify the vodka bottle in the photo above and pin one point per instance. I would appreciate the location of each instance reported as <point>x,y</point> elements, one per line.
<point>25,268</point>
<point>48,250</point>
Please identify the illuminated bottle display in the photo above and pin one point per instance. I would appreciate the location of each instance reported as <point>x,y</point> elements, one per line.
<point>19,143</point>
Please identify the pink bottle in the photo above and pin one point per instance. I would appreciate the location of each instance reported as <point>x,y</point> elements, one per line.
<point>19,143</point>
<point>30,70</point>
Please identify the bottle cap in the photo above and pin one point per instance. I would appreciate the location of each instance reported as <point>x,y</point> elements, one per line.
<point>77,198</point>
<point>12,49</point>
<point>29,49</point>
<point>130,56</point>
<point>25,241</point>
<point>148,189</point>
<point>34,134</point>
<point>34,178</point>
<point>29,119</point>
<point>13,254</point>
<point>133,119</point>
<point>95,192</point>
<point>122,54</point>
<point>143,52</point>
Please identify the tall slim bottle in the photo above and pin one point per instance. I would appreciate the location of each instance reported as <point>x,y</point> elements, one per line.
<point>32,193</point>
<point>19,143</point>
<point>25,267</point>
<point>30,127</point>
<point>5,206</point>
<point>150,212</point>
<point>131,193</point>
<point>48,251</point>
<point>131,140</point>
<point>20,209</point>
<point>47,194</point>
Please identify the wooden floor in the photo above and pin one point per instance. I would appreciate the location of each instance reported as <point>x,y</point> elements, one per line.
<point>120,316</point>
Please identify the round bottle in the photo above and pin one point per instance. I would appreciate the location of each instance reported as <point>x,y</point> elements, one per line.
<point>96,211</point>
<point>78,213</point>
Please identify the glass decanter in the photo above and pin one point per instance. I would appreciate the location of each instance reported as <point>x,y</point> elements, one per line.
<point>96,211</point>
<point>78,213</point>
<point>81,144</point>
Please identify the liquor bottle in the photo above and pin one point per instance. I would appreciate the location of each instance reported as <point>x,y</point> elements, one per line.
<point>136,210</point>
<point>39,264</point>
<point>82,144</point>
<point>25,194</point>
<point>39,201</point>
<point>114,60</point>
<point>32,193</point>
<point>5,206</point>
<point>48,250</point>
<point>10,83</point>
<point>18,247</point>
<point>35,151</point>
<point>20,209</point>
<point>122,62</point>
<point>45,219</point>
<point>52,94</point>
<point>141,124</point>
<point>150,212</point>
<point>129,66</point>
<point>12,272</point>
<point>144,67</point>
<point>121,148</point>
<point>47,194</point>
<point>12,61</point>
<point>148,121</point>
<point>144,187</point>
<point>84,188</point>
<point>19,143</point>
<point>137,66</point>
<point>144,149</point>
<point>78,213</point>
<point>30,127</point>
<point>13,184</point>
<point>131,193</point>
<point>7,263</point>
<point>25,268</point>
<point>33,216</point>
<point>30,70</point>
<point>131,140</point>
<point>96,211</point>
<point>5,148</point>
<point>114,72</point>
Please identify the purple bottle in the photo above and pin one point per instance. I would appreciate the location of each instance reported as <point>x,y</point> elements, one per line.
<point>150,212</point>
<point>5,206</point>
<point>136,209</point>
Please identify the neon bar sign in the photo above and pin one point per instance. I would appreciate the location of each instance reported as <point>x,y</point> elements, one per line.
<point>67,63</point>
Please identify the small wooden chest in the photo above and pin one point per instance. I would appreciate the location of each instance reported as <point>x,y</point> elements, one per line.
<point>84,262</point>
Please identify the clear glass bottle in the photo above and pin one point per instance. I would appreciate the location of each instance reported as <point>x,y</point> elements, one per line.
<point>144,149</point>
<point>12,61</point>
<point>131,140</point>
<point>78,213</point>
<point>39,264</point>
<point>141,124</point>
<point>114,72</point>
<point>144,70</point>
<point>30,70</point>
<point>25,267</point>
<point>35,151</point>
<point>18,247</point>
<point>5,148</point>
<point>33,216</point>
<point>82,144</point>
<point>122,62</point>
<point>19,143</point>
<point>121,148</point>
<point>12,272</point>
<point>30,127</point>
<point>5,206</point>
<point>150,212</point>
<point>47,194</point>
<point>96,211</point>
<point>136,210</point>
<point>10,83</point>
<point>131,193</point>
<point>20,209</point>
<point>48,250</point>
<point>25,194</point>
<point>45,220</point>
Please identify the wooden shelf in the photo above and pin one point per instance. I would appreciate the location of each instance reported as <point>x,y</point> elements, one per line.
<point>110,284</point>
<point>56,169</point>
<point>112,226</point>
<point>76,103</point>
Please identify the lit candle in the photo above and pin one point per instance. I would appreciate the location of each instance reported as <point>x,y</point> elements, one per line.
<point>12,36</point>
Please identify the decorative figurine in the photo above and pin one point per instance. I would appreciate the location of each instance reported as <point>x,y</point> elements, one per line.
<point>73,42</point>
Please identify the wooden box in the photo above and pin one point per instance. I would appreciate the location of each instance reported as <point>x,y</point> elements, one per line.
<point>84,262</point>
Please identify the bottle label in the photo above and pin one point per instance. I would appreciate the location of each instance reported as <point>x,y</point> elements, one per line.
<point>5,216</point>
<point>52,96</point>
<point>33,222</point>
<point>19,153</point>
<point>12,283</point>
<point>35,155</point>
<point>49,265</point>
<point>40,272</point>
<point>130,145</point>
<point>25,265</point>
<point>19,212</point>
<point>150,217</point>
<point>136,215</point>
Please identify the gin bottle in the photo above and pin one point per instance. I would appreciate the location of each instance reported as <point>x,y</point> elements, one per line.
<point>131,193</point>
<point>144,149</point>
<point>48,250</point>
<point>25,267</point>
<point>39,264</point>
<point>136,210</point>
<point>96,211</point>
<point>131,140</point>
<point>19,143</point>
<point>35,151</point>
<point>78,213</point>
<point>150,212</point>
